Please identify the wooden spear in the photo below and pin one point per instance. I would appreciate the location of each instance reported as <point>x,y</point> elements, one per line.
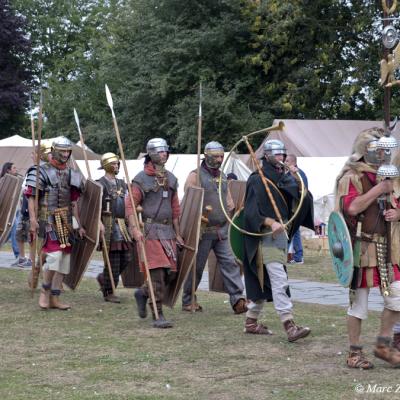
<point>199,131</point>
<point>135,216</point>
<point>103,240</point>
<point>37,153</point>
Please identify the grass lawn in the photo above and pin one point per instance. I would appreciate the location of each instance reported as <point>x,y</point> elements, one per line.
<point>315,268</point>
<point>99,350</point>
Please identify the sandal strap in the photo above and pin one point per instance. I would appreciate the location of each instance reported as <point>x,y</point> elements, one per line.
<point>357,359</point>
<point>258,329</point>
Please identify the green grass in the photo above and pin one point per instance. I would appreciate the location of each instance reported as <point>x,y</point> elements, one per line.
<point>100,350</point>
<point>315,268</point>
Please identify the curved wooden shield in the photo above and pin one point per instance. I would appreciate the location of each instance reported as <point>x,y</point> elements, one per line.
<point>132,277</point>
<point>190,221</point>
<point>238,191</point>
<point>82,249</point>
<point>10,193</point>
<point>215,279</point>
<point>341,249</point>
<point>236,238</point>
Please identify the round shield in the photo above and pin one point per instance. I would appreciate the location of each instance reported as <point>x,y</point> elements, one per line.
<point>236,238</point>
<point>340,247</point>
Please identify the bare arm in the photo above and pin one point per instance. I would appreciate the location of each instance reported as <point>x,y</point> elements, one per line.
<point>362,202</point>
<point>33,224</point>
<point>75,213</point>
<point>191,180</point>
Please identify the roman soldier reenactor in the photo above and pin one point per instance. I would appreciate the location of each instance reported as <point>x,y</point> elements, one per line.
<point>155,190</point>
<point>59,189</point>
<point>214,234</point>
<point>362,198</point>
<point>117,239</point>
<point>265,257</point>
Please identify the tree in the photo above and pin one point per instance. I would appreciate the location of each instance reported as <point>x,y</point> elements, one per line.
<point>15,78</point>
<point>316,59</point>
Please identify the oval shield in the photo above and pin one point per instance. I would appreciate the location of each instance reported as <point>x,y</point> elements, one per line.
<point>236,239</point>
<point>340,247</point>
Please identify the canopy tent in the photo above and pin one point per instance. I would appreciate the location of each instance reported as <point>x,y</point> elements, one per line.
<point>322,147</point>
<point>320,138</point>
<point>18,150</point>
<point>180,164</point>
<point>321,174</point>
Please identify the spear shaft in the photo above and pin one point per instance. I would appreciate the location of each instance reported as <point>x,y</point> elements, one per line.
<point>103,239</point>
<point>37,154</point>
<point>199,134</point>
<point>135,216</point>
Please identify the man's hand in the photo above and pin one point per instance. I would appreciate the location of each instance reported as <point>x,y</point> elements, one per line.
<point>33,228</point>
<point>179,240</point>
<point>277,228</point>
<point>82,232</point>
<point>136,233</point>
<point>102,229</point>
<point>385,186</point>
<point>392,214</point>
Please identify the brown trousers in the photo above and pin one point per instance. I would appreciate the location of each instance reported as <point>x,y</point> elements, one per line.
<point>159,279</point>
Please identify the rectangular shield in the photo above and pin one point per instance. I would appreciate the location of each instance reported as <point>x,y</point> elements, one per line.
<point>10,194</point>
<point>82,249</point>
<point>132,277</point>
<point>190,221</point>
<point>215,280</point>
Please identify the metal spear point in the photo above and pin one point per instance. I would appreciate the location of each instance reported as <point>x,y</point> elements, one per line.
<point>110,101</point>
<point>201,96</point>
<point>77,122</point>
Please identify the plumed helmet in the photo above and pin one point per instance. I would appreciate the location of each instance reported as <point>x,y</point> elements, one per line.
<point>106,160</point>
<point>59,145</point>
<point>366,146</point>
<point>212,150</point>
<point>154,147</point>
<point>273,147</point>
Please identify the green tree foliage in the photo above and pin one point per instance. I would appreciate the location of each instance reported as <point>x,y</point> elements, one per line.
<point>257,60</point>
<point>162,50</point>
<point>65,35</point>
<point>316,59</point>
<point>14,76</point>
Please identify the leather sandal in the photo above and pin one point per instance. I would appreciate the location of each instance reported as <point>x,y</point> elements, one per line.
<point>252,326</point>
<point>357,359</point>
<point>188,307</point>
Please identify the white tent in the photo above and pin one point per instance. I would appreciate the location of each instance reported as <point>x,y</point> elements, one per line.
<point>321,173</point>
<point>18,150</point>
<point>180,164</point>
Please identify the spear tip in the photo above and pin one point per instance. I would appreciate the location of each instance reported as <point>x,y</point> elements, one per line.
<point>109,98</point>
<point>76,117</point>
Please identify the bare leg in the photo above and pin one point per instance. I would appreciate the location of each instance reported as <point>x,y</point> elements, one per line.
<point>57,280</point>
<point>21,247</point>
<point>354,330</point>
<point>48,277</point>
<point>388,319</point>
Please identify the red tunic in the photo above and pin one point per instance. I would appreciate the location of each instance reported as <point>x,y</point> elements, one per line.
<point>347,200</point>
<point>156,255</point>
